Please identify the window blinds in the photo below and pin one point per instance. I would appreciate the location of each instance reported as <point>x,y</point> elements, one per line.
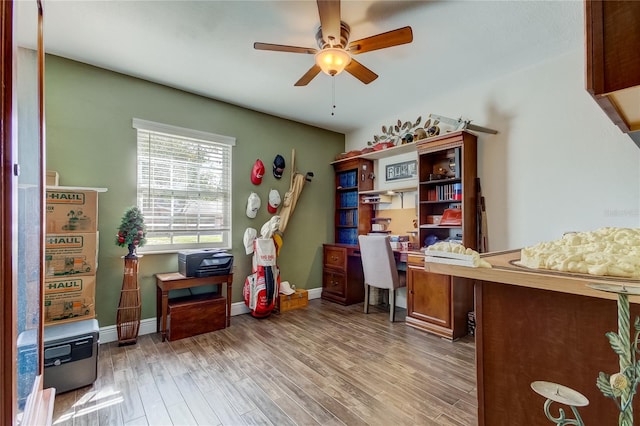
<point>184,191</point>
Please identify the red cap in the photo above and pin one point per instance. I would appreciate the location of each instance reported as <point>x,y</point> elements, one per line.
<point>257,172</point>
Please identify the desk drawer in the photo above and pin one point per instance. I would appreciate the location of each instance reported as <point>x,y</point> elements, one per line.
<point>415,259</point>
<point>189,316</point>
<point>334,282</point>
<point>335,257</point>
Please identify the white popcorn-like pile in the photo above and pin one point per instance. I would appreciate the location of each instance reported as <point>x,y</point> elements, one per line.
<point>449,247</point>
<point>605,251</point>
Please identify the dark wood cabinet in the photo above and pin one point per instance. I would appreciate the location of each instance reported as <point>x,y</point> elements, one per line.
<point>612,37</point>
<point>352,218</point>
<point>342,276</point>
<point>447,180</point>
<point>432,302</point>
<point>437,303</point>
<point>447,170</point>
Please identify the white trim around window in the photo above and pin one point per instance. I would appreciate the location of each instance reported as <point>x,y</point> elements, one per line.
<point>184,187</point>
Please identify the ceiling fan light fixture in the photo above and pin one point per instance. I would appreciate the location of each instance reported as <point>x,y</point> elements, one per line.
<point>332,60</point>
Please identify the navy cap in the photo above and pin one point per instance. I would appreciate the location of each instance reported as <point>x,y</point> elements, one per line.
<point>278,166</point>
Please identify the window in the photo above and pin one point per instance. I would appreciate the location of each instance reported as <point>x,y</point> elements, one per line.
<point>184,187</point>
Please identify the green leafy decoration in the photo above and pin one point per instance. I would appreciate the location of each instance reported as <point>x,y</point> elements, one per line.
<point>396,132</point>
<point>622,389</point>
<point>603,384</point>
<point>616,343</point>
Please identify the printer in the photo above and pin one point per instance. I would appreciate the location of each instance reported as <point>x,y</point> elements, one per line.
<point>204,263</point>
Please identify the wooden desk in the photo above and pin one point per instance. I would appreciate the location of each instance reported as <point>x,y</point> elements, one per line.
<point>176,281</point>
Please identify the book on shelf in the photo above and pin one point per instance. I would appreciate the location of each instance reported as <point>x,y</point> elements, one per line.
<point>347,179</point>
<point>446,192</point>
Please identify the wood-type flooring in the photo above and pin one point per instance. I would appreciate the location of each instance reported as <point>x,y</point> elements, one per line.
<point>326,364</point>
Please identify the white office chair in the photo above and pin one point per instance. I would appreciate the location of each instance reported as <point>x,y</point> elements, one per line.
<point>379,267</point>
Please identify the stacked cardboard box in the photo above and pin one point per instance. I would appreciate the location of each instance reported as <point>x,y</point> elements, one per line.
<point>71,255</point>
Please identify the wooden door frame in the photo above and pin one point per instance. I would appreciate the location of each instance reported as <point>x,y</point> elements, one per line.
<point>8,296</point>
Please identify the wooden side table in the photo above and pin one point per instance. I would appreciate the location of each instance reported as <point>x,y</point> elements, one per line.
<point>176,281</point>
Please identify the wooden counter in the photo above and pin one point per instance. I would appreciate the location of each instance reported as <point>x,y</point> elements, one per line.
<point>507,271</point>
<point>540,325</point>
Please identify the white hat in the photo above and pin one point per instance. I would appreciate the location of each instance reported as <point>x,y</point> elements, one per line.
<point>270,227</point>
<point>285,288</point>
<point>274,201</point>
<point>253,204</point>
<point>249,235</point>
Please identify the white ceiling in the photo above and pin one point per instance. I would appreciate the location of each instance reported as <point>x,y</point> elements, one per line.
<point>206,47</point>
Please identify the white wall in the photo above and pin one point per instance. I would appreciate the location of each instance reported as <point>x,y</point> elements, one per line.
<point>557,164</point>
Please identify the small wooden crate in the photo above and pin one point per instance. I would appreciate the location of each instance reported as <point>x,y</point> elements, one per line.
<point>299,299</point>
<point>192,315</point>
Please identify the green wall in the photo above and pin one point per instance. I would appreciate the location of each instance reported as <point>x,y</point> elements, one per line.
<point>90,142</point>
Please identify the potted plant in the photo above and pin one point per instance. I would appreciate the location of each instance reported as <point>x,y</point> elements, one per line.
<point>132,232</point>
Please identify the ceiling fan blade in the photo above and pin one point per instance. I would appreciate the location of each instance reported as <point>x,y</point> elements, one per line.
<point>329,11</point>
<point>283,48</point>
<point>391,38</point>
<point>360,72</point>
<point>308,76</point>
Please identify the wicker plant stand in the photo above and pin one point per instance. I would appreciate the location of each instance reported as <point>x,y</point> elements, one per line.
<point>129,308</point>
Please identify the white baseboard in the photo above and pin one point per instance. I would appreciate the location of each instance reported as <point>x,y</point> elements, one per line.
<point>148,325</point>
<point>110,332</point>
<point>315,293</point>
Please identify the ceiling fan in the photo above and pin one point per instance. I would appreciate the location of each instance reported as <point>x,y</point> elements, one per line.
<point>335,51</point>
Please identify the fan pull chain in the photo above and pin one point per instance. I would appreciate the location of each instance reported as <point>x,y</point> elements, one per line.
<point>333,94</point>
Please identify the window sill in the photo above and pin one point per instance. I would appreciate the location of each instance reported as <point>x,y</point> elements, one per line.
<point>174,251</point>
